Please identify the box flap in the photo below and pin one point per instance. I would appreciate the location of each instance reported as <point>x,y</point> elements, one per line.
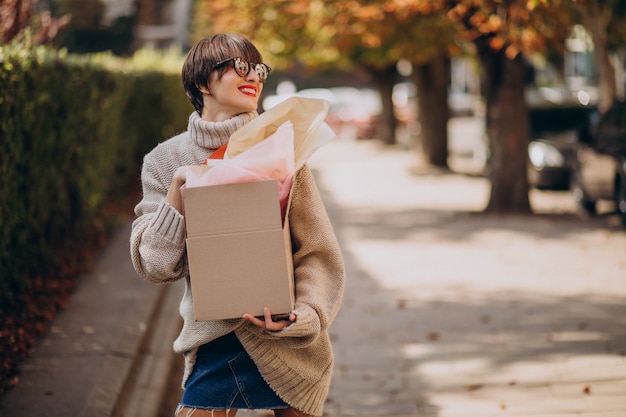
<point>234,208</point>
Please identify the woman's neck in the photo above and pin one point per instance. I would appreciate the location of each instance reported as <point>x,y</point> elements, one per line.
<point>212,135</point>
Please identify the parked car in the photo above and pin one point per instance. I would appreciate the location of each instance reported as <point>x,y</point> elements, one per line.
<point>352,109</point>
<point>599,169</point>
<point>555,132</point>
<point>549,158</point>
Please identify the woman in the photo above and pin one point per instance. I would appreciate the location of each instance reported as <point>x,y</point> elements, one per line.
<point>253,363</point>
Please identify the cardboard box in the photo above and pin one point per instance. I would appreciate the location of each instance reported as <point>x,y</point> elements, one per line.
<point>239,253</point>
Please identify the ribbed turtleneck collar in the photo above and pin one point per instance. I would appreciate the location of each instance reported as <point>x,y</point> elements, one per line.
<point>212,135</point>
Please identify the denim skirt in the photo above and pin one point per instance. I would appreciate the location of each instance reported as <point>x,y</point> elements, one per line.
<point>225,377</point>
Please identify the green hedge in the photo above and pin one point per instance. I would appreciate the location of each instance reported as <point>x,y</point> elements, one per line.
<point>72,135</point>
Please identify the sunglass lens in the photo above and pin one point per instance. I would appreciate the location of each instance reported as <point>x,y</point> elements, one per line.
<point>242,68</point>
<point>261,70</point>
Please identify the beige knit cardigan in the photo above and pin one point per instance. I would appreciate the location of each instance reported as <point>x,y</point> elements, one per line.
<point>297,361</point>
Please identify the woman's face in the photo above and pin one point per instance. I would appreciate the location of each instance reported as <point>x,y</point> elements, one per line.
<point>231,95</point>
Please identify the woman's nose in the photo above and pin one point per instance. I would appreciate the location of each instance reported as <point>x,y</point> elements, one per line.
<point>252,74</point>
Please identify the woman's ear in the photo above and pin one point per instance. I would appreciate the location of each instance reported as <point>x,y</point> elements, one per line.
<point>204,89</point>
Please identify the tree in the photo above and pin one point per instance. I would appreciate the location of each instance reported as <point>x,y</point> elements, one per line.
<point>503,32</point>
<point>363,34</point>
<point>372,35</point>
<point>22,18</point>
<point>377,34</point>
<point>431,81</point>
<point>431,76</point>
<point>320,34</point>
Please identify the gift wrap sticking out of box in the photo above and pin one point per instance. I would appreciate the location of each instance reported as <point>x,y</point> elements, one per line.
<point>239,253</point>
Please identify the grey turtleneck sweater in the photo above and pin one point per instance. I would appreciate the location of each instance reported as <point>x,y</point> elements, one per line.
<point>297,361</point>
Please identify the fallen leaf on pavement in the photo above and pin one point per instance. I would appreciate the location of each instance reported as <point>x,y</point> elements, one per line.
<point>432,336</point>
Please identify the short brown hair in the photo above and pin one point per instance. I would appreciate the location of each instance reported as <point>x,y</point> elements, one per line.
<point>205,54</point>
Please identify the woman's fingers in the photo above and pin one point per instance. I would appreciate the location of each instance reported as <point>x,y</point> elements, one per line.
<point>268,323</point>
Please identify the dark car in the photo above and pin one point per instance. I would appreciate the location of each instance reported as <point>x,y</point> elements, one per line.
<point>555,132</point>
<point>598,171</point>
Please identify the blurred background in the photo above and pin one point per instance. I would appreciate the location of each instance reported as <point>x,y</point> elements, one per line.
<point>540,74</point>
<point>528,94</point>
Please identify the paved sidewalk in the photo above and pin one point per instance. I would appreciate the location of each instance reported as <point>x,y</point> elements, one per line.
<point>108,353</point>
<point>447,312</point>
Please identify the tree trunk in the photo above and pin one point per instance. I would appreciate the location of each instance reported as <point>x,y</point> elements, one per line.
<point>507,129</point>
<point>432,80</point>
<point>384,80</point>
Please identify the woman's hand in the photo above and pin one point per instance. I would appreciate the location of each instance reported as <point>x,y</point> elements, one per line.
<point>269,323</point>
<point>174,196</point>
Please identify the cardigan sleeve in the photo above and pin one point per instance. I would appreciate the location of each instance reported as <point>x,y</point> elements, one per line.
<point>157,242</point>
<point>319,272</point>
